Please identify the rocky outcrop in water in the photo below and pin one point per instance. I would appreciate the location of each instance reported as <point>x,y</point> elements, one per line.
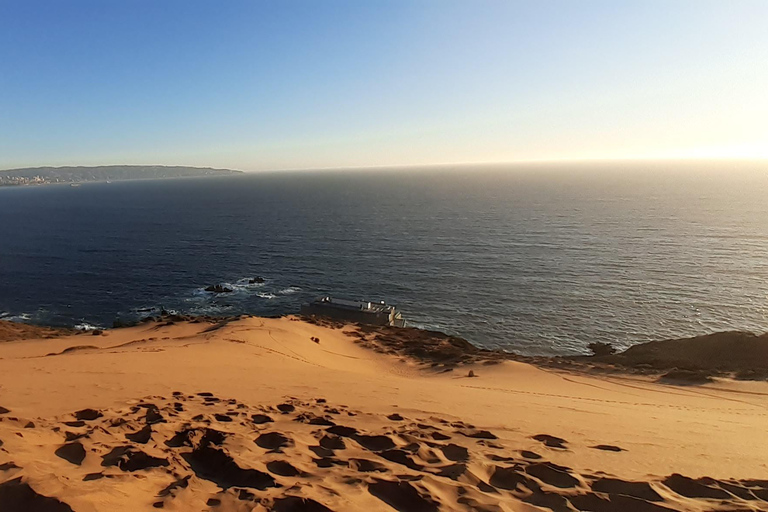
<point>218,288</point>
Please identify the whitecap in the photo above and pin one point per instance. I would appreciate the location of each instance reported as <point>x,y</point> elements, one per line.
<point>86,327</point>
<point>22,317</point>
<point>246,282</point>
<point>241,286</point>
<point>146,310</point>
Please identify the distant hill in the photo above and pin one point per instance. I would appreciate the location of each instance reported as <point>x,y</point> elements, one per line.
<point>42,175</point>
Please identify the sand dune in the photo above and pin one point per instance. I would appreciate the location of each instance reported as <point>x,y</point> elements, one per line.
<point>255,415</point>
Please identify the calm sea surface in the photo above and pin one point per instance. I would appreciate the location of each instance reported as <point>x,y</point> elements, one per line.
<point>541,260</point>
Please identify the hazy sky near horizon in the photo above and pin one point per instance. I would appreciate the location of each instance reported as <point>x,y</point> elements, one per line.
<point>273,84</point>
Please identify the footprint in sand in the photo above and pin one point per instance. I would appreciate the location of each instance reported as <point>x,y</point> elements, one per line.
<point>608,448</point>
<point>73,453</point>
<point>273,441</point>
<point>640,490</point>
<point>283,468</point>
<point>88,415</point>
<point>296,504</point>
<point>16,495</point>
<point>552,474</point>
<point>216,466</point>
<point>130,459</point>
<point>402,496</point>
<point>551,441</point>
<point>455,452</point>
<point>259,419</point>
<point>403,466</point>
<point>332,442</point>
<point>141,436</point>
<point>286,408</point>
<point>374,443</point>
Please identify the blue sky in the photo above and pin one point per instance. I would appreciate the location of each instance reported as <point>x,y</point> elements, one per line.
<point>303,84</point>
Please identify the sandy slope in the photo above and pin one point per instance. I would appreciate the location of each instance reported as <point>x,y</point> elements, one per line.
<point>458,443</point>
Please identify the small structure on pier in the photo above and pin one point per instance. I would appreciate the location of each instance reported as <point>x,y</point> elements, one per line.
<point>363,312</point>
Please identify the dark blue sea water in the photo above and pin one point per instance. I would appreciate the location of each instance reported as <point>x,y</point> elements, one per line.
<point>541,260</point>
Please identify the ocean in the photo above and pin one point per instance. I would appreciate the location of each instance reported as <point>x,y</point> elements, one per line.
<point>538,259</point>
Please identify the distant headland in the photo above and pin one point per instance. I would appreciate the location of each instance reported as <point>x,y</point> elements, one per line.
<point>51,175</point>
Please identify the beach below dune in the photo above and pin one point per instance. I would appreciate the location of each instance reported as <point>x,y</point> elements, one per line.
<point>514,437</point>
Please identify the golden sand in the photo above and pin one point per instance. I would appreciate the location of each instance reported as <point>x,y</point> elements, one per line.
<point>255,415</point>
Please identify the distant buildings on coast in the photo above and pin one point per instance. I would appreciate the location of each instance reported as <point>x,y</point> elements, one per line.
<point>9,181</point>
<point>106,173</point>
<point>364,312</point>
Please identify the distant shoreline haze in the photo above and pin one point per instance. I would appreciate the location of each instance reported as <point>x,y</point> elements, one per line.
<point>82,174</point>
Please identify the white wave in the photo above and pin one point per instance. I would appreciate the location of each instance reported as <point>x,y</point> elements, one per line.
<point>246,282</point>
<point>146,311</point>
<point>22,317</point>
<point>266,295</point>
<point>241,286</point>
<point>290,290</point>
<point>87,327</point>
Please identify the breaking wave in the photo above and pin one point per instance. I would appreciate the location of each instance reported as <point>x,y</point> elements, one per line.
<point>17,317</point>
<point>86,327</point>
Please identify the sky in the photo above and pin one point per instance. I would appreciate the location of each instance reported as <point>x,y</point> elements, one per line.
<point>289,84</point>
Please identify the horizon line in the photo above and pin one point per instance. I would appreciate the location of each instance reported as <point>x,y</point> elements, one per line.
<point>433,164</point>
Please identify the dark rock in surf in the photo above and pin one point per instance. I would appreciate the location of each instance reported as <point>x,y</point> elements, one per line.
<point>217,288</point>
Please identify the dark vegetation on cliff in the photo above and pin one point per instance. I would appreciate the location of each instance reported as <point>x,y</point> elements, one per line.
<point>13,331</point>
<point>739,355</point>
<point>742,355</point>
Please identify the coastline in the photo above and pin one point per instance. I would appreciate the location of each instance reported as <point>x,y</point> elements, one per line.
<point>696,360</point>
<point>737,355</point>
<point>584,427</point>
<point>77,175</point>
<point>106,181</point>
